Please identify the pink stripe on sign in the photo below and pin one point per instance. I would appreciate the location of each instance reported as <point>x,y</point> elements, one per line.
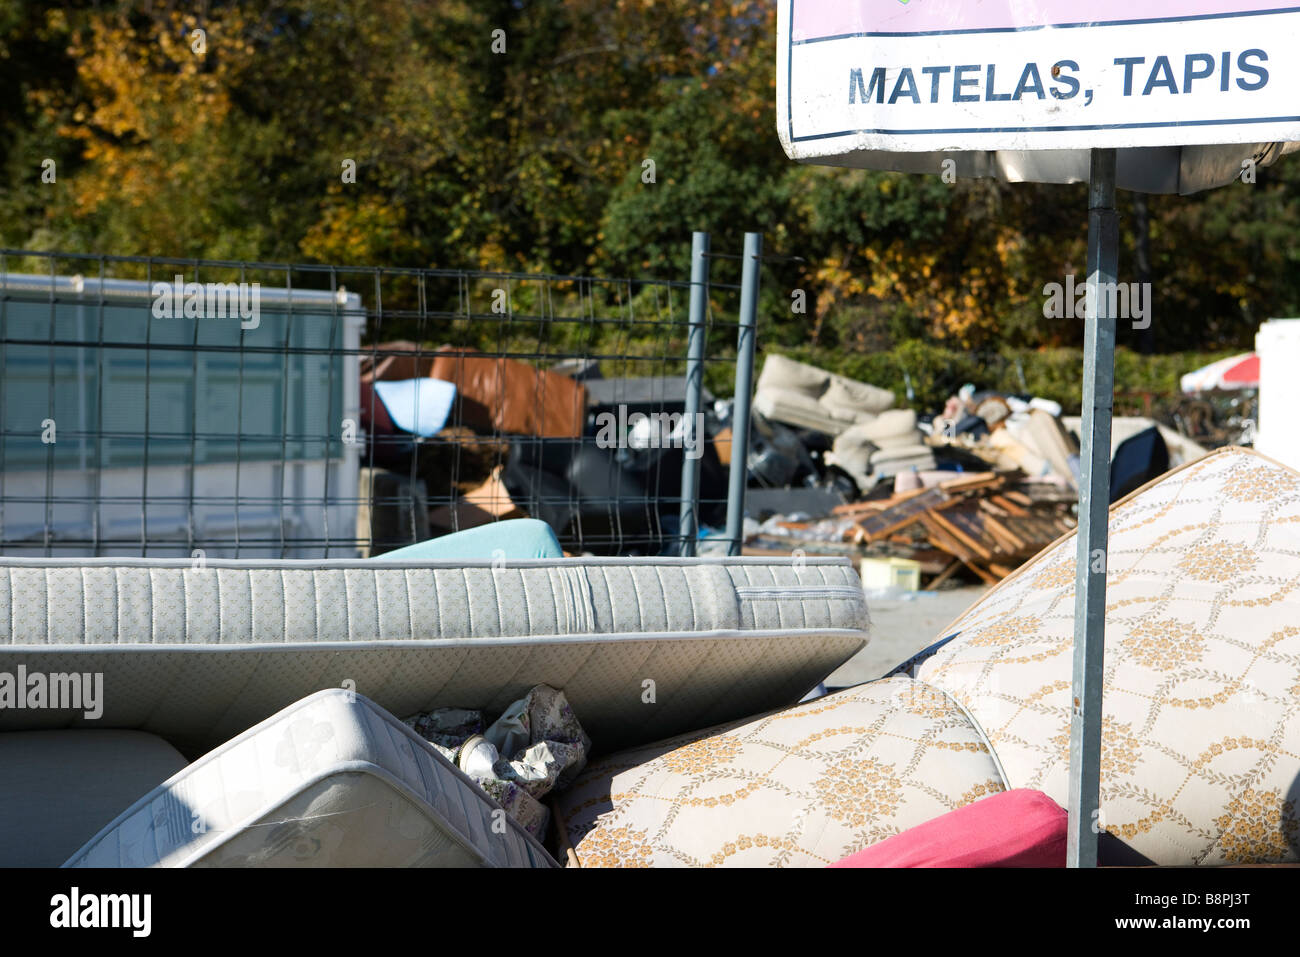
<point>827,18</point>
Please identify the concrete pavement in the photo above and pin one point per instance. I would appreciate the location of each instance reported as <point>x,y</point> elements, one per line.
<point>899,629</point>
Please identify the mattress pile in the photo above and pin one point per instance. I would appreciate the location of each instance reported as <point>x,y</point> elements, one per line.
<point>686,675</point>
<point>224,662</point>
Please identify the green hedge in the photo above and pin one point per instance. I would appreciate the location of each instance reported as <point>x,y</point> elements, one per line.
<point>937,372</point>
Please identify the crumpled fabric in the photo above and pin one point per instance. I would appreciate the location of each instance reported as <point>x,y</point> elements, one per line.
<point>447,728</point>
<point>535,747</point>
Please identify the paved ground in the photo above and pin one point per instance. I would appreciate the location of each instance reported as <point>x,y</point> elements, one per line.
<point>899,629</point>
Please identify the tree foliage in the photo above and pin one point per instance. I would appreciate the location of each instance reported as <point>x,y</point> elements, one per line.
<point>534,157</point>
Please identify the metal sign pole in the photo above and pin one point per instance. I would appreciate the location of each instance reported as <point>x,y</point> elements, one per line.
<point>1094,502</point>
<point>689,522</point>
<point>739,470</point>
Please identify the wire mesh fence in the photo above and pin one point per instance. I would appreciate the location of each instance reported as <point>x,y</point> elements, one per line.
<point>172,407</point>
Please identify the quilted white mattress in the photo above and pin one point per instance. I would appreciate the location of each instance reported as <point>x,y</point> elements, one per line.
<point>643,648</point>
<point>332,781</point>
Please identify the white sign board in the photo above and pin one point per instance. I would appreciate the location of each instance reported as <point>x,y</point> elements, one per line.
<point>933,75</point>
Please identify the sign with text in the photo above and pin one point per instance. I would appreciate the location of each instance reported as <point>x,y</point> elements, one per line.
<point>928,75</point>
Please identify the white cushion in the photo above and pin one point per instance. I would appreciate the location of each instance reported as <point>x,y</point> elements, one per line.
<point>895,422</point>
<point>848,413</point>
<point>857,395</point>
<point>780,372</point>
<point>887,462</point>
<point>797,409</point>
<point>901,453</point>
<point>1046,436</point>
<point>904,440</point>
<point>852,453</point>
<point>808,397</point>
<point>852,439</point>
<point>780,400</point>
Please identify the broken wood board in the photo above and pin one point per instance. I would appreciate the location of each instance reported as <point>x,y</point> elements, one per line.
<point>876,505</point>
<point>878,525</point>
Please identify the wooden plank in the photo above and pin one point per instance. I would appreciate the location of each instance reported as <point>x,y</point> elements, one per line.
<point>1047,493</point>
<point>876,505</point>
<point>1010,528</point>
<point>861,508</point>
<point>884,523</point>
<point>946,573</point>
<point>1005,502</point>
<point>1000,536</point>
<point>940,537</point>
<point>969,481</point>
<point>1007,540</point>
<point>987,577</point>
<point>781,545</point>
<point>990,506</point>
<point>1037,531</point>
<point>963,525</point>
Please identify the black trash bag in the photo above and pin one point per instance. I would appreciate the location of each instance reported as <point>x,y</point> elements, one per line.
<point>1139,459</point>
<point>777,456</point>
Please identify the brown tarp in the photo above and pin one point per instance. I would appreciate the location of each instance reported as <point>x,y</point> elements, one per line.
<point>493,394</point>
<point>506,395</point>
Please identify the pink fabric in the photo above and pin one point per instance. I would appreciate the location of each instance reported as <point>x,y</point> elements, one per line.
<point>1020,828</point>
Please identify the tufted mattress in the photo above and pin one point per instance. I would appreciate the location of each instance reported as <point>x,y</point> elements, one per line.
<point>643,648</point>
<point>1200,749</point>
<point>800,787</point>
<point>332,781</point>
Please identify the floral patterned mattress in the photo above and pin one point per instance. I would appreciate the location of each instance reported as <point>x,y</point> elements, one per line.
<point>1201,732</point>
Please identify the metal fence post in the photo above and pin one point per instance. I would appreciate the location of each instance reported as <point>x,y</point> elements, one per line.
<point>1094,514</point>
<point>689,525</point>
<point>744,394</point>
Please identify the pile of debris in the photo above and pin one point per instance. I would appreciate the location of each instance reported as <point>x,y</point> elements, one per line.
<point>455,438</point>
<point>979,487</point>
<point>986,522</point>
